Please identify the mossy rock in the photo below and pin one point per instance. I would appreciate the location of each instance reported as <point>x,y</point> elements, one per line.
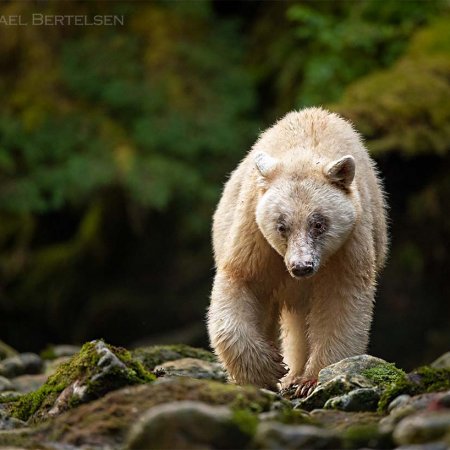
<point>192,425</point>
<point>155,355</point>
<point>6,351</point>
<point>106,421</point>
<point>422,380</point>
<point>97,369</point>
<point>384,374</point>
<point>365,435</point>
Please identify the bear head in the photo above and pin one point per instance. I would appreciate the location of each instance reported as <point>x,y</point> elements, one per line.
<point>306,207</point>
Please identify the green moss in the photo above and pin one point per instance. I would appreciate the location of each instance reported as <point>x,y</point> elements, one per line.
<point>384,373</point>
<point>157,354</point>
<point>290,416</point>
<point>430,379</point>
<point>84,368</point>
<point>422,380</point>
<point>247,421</point>
<point>365,435</point>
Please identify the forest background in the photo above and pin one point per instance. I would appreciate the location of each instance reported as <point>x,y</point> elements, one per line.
<point>115,142</point>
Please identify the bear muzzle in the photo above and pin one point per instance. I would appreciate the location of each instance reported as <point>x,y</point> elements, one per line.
<point>302,270</point>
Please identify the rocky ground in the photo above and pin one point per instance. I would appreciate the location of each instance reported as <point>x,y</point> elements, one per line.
<point>173,397</point>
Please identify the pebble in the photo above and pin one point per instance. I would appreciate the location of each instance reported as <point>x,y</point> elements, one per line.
<point>24,363</point>
<point>5,384</point>
<point>275,435</point>
<point>443,362</point>
<point>399,401</point>
<point>422,427</point>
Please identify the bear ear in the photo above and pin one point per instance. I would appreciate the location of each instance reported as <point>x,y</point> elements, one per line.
<point>265,164</point>
<point>341,171</point>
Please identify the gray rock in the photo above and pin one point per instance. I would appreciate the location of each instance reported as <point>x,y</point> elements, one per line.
<point>422,427</point>
<point>5,384</point>
<point>193,367</point>
<point>24,363</point>
<point>443,362</point>
<point>399,401</point>
<point>274,435</point>
<point>28,383</point>
<point>9,423</point>
<point>363,399</point>
<point>186,425</point>
<point>408,406</point>
<point>429,446</point>
<point>60,351</point>
<point>349,366</point>
<point>334,387</point>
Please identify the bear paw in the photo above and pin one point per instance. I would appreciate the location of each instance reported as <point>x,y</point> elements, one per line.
<point>298,387</point>
<point>305,388</point>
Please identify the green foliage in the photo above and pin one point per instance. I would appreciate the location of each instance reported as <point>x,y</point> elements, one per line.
<point>106,136</point>
<point>325,46</point>
<point>132,116</point>
<point>415,91</point>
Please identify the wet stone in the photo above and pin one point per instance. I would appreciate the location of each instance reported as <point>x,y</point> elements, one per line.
<point>337,386</point>
<point>429,446</point>
<point>354,365</point>
<point>363,399</point>
<point>399,401</point>
<point>422,427</point>
<point>407,406</point>
<point>24,363</point>
<point>9,423</point>
<point>5,384</point>
<point>28,383</point>
<point>274,435</point>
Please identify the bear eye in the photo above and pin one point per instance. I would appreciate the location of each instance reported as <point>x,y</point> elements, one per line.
<point>318,225</point>
<point>281,228</point>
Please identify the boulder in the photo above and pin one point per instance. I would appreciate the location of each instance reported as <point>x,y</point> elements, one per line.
<point>187,425</point>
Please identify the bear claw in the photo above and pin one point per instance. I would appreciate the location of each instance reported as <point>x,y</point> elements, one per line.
<point>305,388</point>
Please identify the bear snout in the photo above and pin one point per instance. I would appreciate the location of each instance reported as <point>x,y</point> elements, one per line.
<point>303,269</point>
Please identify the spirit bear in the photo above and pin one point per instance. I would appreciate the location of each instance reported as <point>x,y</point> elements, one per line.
<point>299,237</point>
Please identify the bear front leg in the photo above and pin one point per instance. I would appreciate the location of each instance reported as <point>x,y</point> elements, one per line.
<point>235,319</point>
<point>339,325</point>
<point>294,343</point>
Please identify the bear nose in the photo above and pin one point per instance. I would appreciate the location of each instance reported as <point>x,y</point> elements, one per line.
<point>300,270</point>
